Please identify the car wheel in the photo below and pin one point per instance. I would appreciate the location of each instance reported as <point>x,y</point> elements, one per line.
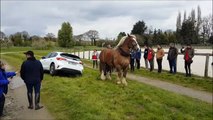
<point>52,69</point>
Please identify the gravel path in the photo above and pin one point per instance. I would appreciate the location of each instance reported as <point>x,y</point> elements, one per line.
<point>16,103</point>
<point>201,95</point>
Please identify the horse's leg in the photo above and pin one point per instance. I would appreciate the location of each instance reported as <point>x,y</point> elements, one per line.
<point>119,76</point>
<point>108,72</point>
<point>103,67</point>
<point>124,76</point>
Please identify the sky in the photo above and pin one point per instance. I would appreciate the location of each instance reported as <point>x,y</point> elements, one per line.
<point>107,17</point>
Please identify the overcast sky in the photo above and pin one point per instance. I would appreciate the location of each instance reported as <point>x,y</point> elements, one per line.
<point>107,17</point>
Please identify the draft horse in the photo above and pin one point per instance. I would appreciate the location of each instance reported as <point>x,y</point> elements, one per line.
<point>118,58</point>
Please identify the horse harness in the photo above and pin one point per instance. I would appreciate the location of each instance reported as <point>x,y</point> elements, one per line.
<point>123,53</point>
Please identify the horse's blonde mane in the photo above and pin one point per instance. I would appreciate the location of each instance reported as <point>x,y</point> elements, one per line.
<point>123,39</point>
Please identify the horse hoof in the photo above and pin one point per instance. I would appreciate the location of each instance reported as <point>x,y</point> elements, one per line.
<point>109,77</point>
<point>118,82</point>
<point>125,83</point>
<point>103,77</point>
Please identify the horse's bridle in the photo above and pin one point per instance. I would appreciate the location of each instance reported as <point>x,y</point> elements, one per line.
<point>127,54</point>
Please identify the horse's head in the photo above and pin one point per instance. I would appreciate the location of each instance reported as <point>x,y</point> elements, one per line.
<point>132,42</point>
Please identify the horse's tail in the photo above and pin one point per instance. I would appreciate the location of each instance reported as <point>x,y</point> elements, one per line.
<point>101,61</point>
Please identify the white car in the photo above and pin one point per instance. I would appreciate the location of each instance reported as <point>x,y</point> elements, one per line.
<point>60,61</point>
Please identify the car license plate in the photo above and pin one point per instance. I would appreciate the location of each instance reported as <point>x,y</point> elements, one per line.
<point>71,63</point>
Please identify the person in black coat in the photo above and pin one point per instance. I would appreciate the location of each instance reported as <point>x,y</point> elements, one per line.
<point>172,58</point>
<point>145,56</point>
<point>32,74</point>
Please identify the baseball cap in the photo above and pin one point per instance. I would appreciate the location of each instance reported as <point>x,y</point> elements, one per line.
<point>29,53</point>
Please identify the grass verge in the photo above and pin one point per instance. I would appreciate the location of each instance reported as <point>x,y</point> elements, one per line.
<point>88,98</point>
<point>196,82</point>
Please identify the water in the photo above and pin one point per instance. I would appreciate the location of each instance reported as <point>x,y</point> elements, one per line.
<point>197,67</point>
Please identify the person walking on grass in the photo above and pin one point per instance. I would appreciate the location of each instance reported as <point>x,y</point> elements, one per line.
<point>188,55</point>
<point>138,58</point>
<point>4,85</point>
<point>172,58</point>
<point>150,58</point>
<point>32,74</point>
<point>132,60</point>
<point>145,56</point>
<point>159,57</point>
<point>95,59</point>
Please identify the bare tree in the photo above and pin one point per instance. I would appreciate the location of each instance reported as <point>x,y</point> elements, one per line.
<point>93,35</point>
<point>25,35</point>
<point>192,15</point>
<point>207,27</point>
<point>184,16</point>
<point>2,35</point>
<point>50,36</point>
<point>199,20</point>
<point>178,24</point>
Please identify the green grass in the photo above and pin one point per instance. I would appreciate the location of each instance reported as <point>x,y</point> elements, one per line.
<point>14,49</point>
<point>88,98</point>
<point>196,82</point>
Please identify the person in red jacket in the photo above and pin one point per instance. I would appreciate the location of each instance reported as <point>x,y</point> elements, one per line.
<point>188,55</point>
<point>95,58</point>
<point>150,58</point>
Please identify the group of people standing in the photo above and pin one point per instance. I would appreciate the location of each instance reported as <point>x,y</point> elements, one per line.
<point>149,55</point>
<point>32,74</point>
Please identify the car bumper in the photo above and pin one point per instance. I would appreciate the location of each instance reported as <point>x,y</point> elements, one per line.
<point>70,71</point>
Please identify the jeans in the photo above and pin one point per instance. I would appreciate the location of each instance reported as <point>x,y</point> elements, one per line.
<point>159,61</point>
<point>188,68</point>
<point>146,63</point>
<point>2,101</point>
<point>151,63</point>
<point>138,63</point>
<point>172,65</point>
<point>35,86</point>
<point>95,63</point>
<point>132,64</point>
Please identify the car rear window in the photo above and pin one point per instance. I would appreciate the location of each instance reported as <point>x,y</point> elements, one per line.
<point>70,56</point>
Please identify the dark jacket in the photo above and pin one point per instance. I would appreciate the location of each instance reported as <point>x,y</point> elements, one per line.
<point>4,82</point>
<point>132,55</point>
<point>32,71</point>
<point>146,53</point>
<point>190,52</point>
<point>172,54</point>
<point>138,54</point>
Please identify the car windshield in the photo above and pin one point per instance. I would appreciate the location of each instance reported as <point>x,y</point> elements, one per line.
<point>70,56</point>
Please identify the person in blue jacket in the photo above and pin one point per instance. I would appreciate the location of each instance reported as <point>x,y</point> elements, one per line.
<point>132,60</point>
<point>4,85</point>
<point>138,58</point>
<point>32,74</point>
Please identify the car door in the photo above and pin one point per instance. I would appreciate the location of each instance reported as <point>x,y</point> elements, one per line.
<point>45,61</point>
<point>50,60</point>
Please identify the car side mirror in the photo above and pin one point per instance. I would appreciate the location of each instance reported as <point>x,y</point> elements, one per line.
<point>43,57</point>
